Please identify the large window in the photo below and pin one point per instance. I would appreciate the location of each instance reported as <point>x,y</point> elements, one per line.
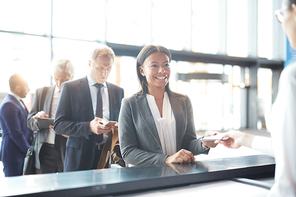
<point>171,23</point>
<point>129,22</point>
<point>208,26</point>
<point>216,103</point>
<point>265,28</point>
<point>79,19</point>
<point>264,95</point>
<point>34,32</point>
<point>28,55</point>
<point>30,16</point>
<point>237,28</point>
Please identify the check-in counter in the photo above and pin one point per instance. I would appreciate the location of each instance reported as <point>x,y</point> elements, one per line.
<point>125,181</point>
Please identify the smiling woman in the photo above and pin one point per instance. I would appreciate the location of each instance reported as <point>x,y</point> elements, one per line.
<point>156,124</point>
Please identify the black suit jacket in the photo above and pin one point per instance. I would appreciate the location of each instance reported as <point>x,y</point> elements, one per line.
<point>73,116</point>
<point>139,140</point>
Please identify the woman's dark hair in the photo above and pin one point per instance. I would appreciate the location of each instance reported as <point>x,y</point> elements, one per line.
<point>144,53</point>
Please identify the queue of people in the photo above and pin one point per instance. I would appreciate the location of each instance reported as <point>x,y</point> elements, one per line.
<point>76,139</point>
<point>155,124</point>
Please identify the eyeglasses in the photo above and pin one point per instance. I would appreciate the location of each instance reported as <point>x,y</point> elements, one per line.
<point>280,15</point>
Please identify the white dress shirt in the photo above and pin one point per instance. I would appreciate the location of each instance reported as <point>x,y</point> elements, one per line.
<point>165,125</point>
<point>105,101</point>
<point>17,98</point>
<point>105,98</point>
<point>263,144</point>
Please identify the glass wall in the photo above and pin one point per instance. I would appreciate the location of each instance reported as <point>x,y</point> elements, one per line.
<point>128,22</point>
<point>264,95</point>
<point>237,28</point>
<point>30,16</point>
<point>208,26</point>
<point>265,15</point>
<point>33,33</point>
<point>79,19</point>
<point>171,25</point>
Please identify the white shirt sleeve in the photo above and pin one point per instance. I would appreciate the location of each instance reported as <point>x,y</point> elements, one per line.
<point>263,144</point>
<point>283,134</point>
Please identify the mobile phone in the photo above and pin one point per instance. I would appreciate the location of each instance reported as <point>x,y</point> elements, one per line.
<point>109,123</point>
<point>214,138</point>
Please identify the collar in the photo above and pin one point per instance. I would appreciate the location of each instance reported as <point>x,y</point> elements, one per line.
<point>149,96</point>
<point>15,95</point>
<point>56,89</point>
<point>92,82</point>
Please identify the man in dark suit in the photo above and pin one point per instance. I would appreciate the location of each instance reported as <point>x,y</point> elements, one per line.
<point>16,136</point>
<point>83,104</point>
<point>49,147</point>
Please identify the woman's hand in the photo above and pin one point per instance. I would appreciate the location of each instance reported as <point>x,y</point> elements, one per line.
<point>210,144</point>
<point>182,156</point>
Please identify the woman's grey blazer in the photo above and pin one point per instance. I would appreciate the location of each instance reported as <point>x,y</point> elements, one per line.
<point>138,136</point>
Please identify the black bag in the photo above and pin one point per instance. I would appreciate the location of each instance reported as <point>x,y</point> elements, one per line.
<point>117,157</point>
<point>29,162</point>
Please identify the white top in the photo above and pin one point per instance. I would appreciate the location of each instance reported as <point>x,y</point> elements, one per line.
<point>165,125</point>
<point>282,124</point>
<point>263,144</point>
<point>55,99</point>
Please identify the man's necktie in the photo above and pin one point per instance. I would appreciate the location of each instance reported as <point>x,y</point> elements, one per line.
<point>24,105</point>
<point>99,111</point>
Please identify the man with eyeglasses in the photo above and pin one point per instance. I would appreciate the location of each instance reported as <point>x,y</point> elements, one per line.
<point>83,105</point>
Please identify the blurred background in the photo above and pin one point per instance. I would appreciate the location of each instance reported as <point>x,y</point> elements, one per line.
<point>227,54</point>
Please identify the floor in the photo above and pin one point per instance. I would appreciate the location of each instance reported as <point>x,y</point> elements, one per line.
<point>218,152</point>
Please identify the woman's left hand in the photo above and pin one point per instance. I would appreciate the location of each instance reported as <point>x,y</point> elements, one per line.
<point>210,144</point>
<point>182,156</point>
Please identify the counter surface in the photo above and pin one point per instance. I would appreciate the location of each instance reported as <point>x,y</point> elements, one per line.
<point>117,181</point>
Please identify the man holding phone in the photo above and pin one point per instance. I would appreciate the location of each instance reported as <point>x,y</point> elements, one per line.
<point>92,101</point>
<point>49,148</point>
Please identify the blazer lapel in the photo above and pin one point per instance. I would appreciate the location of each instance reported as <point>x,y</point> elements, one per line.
<point>178,111</point>
<point>86,92</point>
<point>144,110</point>
<point>13,99</point>
<point>48,100</point>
